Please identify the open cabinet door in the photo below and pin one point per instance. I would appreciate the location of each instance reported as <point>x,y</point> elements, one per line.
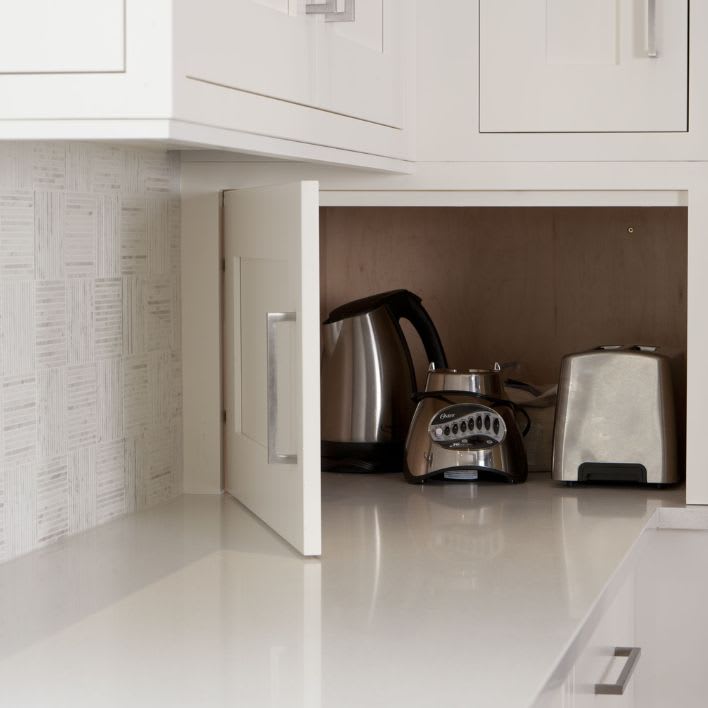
<point>271,357</point>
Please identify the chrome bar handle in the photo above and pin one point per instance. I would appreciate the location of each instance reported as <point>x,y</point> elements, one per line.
<point>272,319</point>
<point>329,10</point>
<point>651,29</point>
<point>617,689</point>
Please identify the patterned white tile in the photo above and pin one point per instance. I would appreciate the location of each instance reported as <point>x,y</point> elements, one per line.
<point>82,488</point>
<point>90,368</point>
<point>51,412</point>
<point>108,318</point>
<point>133,236</point>
<point>21,511</point>
<point>110,481</point>
<point>133,316</point>
<point>93,168</point>
<point>157,310</point>
<point>17,235</point>
<point>80,229</point>
<point>109,262</point>
<point>110,400</point>
<point>132,461</point>
<point>18,401</point>
<point>46,165</point>
<point>3,508</point>
<point>156,174</point>
<point>80,318</point>
<point>137,398</point>
<point>50,347</point>
<point>52,500</point>
<point>158,236</point>
<point>156,476</point>
<point>175,236</point>
<point>16,327</point>
<point>48,236</point>
<point>81,405</point>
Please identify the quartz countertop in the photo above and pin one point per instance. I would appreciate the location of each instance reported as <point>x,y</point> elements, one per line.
<point>437,595</point>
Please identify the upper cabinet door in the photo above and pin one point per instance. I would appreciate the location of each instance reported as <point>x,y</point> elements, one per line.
<point>46,36</point>
<point>271,357</point>
<point>583,66</point>
<point>361,71</point>
<point>264,47</point>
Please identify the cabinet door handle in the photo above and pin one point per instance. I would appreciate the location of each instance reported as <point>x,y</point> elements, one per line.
<point>329,10</point>
<point>272,319</point>
<point>651,29</point>
<point>617,689</point>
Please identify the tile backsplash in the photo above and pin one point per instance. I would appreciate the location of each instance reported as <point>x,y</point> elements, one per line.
<point>90,351</point>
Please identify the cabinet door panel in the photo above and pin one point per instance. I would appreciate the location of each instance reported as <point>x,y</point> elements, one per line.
<point>265,47</point>
<point>271,357</point>
<point>576,66</point>
<point>361,71</point>
<point>47,36</point>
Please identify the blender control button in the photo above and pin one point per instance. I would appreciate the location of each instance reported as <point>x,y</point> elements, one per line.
<point>496,426</point>
<point>479,422</point>
<point>463,426</point>
<point>487,422</point>
<point>447,430</point>
<point>438,432</point>
<point>454,428</point>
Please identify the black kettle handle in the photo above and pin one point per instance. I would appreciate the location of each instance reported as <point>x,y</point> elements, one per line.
<point>406,305</point>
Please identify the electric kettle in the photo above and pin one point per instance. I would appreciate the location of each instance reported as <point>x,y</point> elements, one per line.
<point>367,380</point>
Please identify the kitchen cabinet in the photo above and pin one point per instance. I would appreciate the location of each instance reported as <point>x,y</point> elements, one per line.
<point>274,49</point>
<point>573,66</point>
<point>655,604</point>
<point>256,76</point>
<point>271,358</point>
<point>74,35</point>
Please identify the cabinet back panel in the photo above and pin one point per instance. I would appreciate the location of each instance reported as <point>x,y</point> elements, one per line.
<point>518,284</point>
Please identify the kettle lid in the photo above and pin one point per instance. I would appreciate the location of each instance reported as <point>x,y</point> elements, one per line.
<point>367,304</point>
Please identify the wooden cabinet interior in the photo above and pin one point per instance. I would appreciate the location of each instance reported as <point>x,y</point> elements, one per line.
<point>518,284</point>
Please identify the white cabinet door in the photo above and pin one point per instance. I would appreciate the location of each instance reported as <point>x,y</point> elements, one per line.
<point>361,66</point>
<point>579,66</point>
<point>271,357</point>
<point>264,47</point>
<point>46,36</point>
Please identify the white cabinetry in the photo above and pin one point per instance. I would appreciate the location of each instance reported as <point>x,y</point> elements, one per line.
<point>592,662</point>
<point>271,357</point>
<point>41,36</point>
<point>257,76</point>
<point>578,66</point>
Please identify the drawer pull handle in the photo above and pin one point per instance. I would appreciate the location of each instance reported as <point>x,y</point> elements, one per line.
<point>272,319</point>
<point>651,29</point>
<point>617,689</point>
<point>329,10</point>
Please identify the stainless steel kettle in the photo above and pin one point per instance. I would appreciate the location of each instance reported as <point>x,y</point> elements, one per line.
<point>368,380</point>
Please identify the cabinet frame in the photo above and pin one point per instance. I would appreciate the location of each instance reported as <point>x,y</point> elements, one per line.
<point>444,49</point>
<point>496,184</point>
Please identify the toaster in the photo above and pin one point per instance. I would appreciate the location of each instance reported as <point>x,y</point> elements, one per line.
<point>615,417</point>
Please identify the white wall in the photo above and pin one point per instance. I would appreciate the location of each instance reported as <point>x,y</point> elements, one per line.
<point>90,362</point>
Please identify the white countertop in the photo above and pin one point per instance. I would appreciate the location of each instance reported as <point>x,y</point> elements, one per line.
<point>438,595</point>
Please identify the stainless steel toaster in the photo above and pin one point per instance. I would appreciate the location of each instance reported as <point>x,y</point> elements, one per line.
<point>615,417</point>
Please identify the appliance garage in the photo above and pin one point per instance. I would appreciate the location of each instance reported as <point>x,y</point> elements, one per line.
<point>520,339</point>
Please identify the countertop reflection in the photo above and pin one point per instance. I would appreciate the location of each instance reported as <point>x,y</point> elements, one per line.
<point>443,594</point>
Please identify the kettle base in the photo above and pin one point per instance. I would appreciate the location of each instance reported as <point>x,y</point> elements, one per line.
<point>362,457</point>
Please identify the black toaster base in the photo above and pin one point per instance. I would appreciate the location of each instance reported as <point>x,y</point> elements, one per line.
<point>612,472</point>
